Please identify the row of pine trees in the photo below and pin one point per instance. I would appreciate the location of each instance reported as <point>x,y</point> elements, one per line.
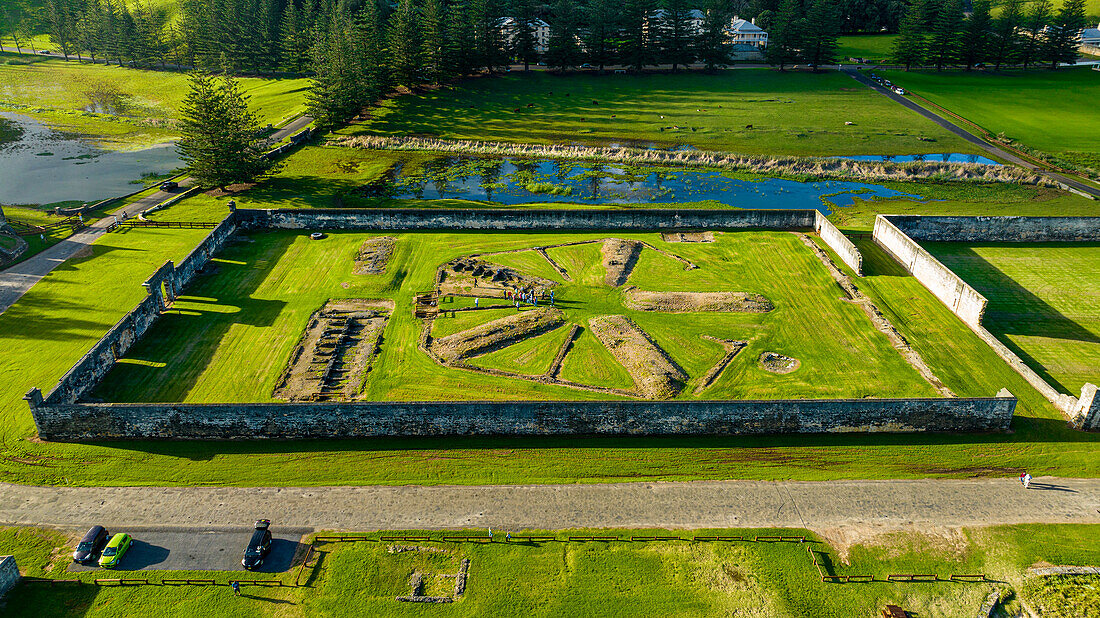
<point>935,33</point>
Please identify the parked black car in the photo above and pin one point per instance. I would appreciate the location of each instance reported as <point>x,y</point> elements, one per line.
<point>169,185</point>
<point>92,543</point>
<point>259,546</point>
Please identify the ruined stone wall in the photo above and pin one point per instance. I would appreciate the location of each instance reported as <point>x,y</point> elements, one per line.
<point>9,574</point>
<point>366,419</point>
<point>556,219</point>
<point>998,229</point>
<point>839,243</point>
<point>959,297</point>
<point>162,286</point>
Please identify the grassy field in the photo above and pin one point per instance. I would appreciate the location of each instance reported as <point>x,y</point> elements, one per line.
<point>1006,103</point>
<point>143,103</point>
<point>1043,303</point>
<point>560,578</point>
<point>789,113</point>
<point>253,311</point>
<point>873,47</point>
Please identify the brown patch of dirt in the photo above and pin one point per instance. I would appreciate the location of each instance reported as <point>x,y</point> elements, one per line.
<point>897,539</point>
<point>619,258</point>
<point>497,334</point>
<point>86,252</point>
<point>779,363</point>
<point>687,236</point>
<point>655,374</point>
<point>336,351</point>
<point>374,255</point>
<point>691,302</point>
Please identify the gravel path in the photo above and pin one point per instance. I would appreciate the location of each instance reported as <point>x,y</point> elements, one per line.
<point>721,504</point>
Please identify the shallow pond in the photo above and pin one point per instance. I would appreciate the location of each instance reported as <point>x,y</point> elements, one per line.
<point>513,181</point>
<point>44,166</point>
<point>943,157</point>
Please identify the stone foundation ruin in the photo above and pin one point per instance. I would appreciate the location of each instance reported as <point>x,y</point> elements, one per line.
<point>62,415</point>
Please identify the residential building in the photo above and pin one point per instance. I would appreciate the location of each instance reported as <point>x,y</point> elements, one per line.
<point>1090,36</point>
<point>742,32</point>
<point>540,31</point>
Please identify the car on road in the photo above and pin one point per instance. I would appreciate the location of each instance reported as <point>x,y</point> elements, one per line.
<point>259,546</point>
<point>91,544</point>
<point>169,185</point>
<point>45,52</point>
<point>115,550</point>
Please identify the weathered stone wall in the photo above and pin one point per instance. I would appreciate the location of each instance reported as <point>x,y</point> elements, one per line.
<point>9,574</point>
<point>363,419</point>
<point>162,287</point>
<point>838,242</point>
<point>998,229</point>
<point>1087,414</point>
<point>490,219</point>
<point>959,297</point>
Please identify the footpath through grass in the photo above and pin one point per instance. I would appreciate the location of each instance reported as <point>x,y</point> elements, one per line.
<point>751,111</point>
<point>1052,111</point>
<point>560,578</point>
<point>121,108</point>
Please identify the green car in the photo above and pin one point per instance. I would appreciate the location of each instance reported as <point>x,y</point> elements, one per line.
<point>115,549</point>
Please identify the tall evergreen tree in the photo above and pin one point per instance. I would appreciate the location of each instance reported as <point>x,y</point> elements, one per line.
<point>976,35</point>
<point>913,39</point>
<point>1061,43</point>
<point>1035,24</point>
<point>562,50</point>
<point>522,41</point>
<point>637,38</point>
<point>433,29</point>
<point>943,44</point>
<point>712,45</point>
<point>677,33</point>
<point>61,22</point>
<point>785,36</point>
<point>600,36</point>
<point>819,42</point>
<point>458,52</point>
<point>406,55</point>
<point>218,134</point>
<point>1004,35</point>
<point>488,41</point>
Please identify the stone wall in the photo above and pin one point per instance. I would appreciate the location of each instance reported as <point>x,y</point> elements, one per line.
<point>959,297</point>
<point>998,229</point>
<point>9,574</point>
<point>365,419</point>
<point>839,243</point>
<point>496,219</point>
<point>162,287</point>
<point>898,234</point>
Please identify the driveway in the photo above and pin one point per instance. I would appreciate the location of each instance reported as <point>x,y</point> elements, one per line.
<point>198,550</point>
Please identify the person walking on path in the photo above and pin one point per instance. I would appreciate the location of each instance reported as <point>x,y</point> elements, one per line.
<point>1026,478</point>
<point>236,588</point>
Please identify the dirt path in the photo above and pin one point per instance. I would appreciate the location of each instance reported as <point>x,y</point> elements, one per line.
<point>863,505</point>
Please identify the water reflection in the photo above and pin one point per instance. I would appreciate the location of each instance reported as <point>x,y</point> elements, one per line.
<point>944,157</point>
<point>522,181</point>
<point>45,166</point>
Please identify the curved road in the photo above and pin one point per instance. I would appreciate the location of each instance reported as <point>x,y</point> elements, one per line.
<point>970,137</point>
<point>17,279</point>
<point>712,504</point>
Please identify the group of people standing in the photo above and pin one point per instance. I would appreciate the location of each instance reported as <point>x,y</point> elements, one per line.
<point>529,295</point>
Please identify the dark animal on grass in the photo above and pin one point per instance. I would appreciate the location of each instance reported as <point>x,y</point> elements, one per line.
<point>748,126</point>
<point>516,110</point>
<point>530,105</point>
<point>595,102</point>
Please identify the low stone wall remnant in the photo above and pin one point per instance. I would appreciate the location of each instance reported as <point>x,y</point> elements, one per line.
<point>839,243</point>
<point>9,574</point>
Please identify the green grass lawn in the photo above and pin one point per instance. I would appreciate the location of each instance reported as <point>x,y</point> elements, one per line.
<point>1043,303</point>
<point>790,113</point>
<point>873,47</point>
<point>560,578</point>
<point>55,92</point>
<point>231,334</point>
<point>1068,126</point>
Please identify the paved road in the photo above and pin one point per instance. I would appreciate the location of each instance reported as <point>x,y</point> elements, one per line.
<point>200,550</point>
<point>17,279</point>
<point>713,504</point>
<point>970,137</point>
